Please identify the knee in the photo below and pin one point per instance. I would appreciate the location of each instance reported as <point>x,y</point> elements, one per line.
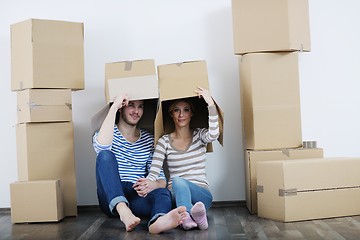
<point>178,182</point>
<point>161,191</point>
<point>105,156</point>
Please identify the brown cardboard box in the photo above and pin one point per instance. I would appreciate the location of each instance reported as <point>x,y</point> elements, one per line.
<point>307,189</point>
<point>126,77</point>
<point>45,151</point>
<point>36,201</point>
<point>137,78</point>
<point>270,25</point>
<point>270,95</point>
<point>252,157</point>
<point>44,105</point>
<point>47,54</point>
<point>179,80</point>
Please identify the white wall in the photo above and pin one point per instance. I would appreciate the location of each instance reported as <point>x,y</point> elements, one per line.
<point>171,31</point>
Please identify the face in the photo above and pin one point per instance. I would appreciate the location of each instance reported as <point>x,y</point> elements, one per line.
<point>181,114</point>
<point>132,113</point>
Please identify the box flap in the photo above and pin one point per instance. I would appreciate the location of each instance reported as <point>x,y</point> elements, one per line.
<point>141,87</point>
<point>136,78</point>
<point>179,80</point>
<point>331,173</point>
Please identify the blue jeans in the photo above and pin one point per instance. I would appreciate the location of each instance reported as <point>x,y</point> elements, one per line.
<point>187,194</point>
<point>111,191</point>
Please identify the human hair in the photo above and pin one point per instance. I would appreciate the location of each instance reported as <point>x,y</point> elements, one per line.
<point>174,102</point>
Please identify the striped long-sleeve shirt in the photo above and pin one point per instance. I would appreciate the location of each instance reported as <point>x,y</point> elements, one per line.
<point>133,158</point>
<point>188,164</point>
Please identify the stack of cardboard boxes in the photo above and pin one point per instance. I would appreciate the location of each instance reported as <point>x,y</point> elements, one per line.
<point>268,34</point>
<point>47,63</point>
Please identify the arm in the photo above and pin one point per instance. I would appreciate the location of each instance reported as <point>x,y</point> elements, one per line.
<point>156,178</point>
<point>143,186</point>
<point>106,132</point>
<point>211,134</point>
<point>157,161</point>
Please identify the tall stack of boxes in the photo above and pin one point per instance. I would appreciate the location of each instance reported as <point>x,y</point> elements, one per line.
<point>47,64</point>
<point>268,34</point>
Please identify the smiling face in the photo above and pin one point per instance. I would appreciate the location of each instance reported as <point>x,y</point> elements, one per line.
<point>132,113</point>
<point>181,113</point>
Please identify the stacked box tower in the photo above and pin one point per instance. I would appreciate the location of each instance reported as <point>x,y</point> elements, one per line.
<point>47,64</point>
<point>268,37</point>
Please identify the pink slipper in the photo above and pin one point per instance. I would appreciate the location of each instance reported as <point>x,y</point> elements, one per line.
<point>188,222</point>
<point>198,213</point>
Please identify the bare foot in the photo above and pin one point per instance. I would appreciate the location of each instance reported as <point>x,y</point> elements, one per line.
<point>127,217</point>
<point>168,221</point>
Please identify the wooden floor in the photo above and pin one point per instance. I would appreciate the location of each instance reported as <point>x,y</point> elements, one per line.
<point>226,222</point>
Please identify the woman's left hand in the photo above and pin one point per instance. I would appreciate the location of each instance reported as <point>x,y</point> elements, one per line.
<point>204,93</point>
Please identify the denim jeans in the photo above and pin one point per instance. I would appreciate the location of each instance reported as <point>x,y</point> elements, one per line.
<point>187,194</point>
<point>111,191</point>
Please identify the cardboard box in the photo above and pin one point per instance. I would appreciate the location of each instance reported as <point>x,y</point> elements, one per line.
<point>270,25</point>
<point>36,201</point>
<point>45,151</point>
<point>127,77</point>
<point>179,80</point>
<point>44,105</point>
<point>252,157</point>
<point>47,54</point>
<point>307,189</point>
<point>270,95</point>
<point>137,78</point>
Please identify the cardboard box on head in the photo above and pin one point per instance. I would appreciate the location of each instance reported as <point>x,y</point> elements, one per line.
<point>180,80</point>
<point>137,79</point>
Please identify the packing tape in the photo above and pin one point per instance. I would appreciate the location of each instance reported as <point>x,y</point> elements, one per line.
<point>309,144</point>
<point>128,65</point>
<point>287,192</point>
<point>259,188</point>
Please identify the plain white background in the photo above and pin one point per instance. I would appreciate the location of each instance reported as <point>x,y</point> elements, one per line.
<point>171,31</point>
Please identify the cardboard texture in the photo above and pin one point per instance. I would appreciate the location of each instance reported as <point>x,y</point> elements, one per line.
<point>126,77</point>
<point>270,100</point>
<point>270,25</point>
<point>47,54</point>
<point>179,80</point>
<point>45,151</point>
<point>308,189</point>
<point>44,105</point>
<point>36,201</point>
<point>252,157</point>
<point>136,78</point>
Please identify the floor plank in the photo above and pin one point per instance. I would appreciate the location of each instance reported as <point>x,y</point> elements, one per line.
<point>233,222</point>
